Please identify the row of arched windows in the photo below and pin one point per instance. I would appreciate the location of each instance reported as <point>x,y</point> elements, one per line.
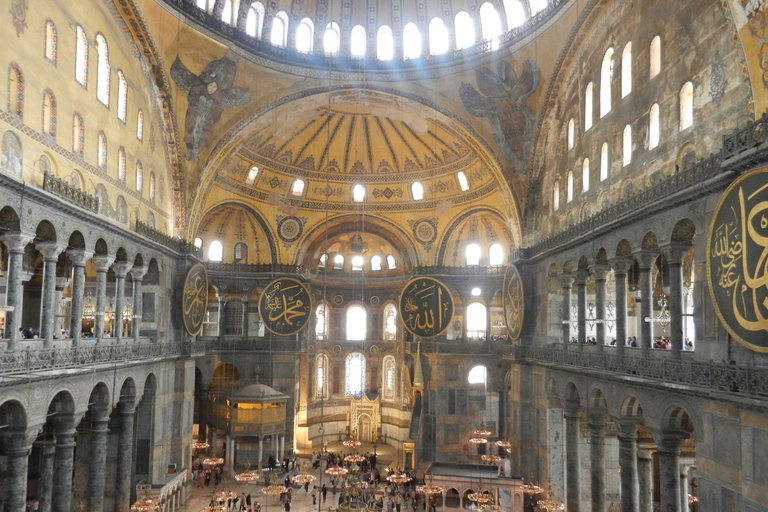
<point>438,40</point>
<point>358,262</point>
<point>358,191</point>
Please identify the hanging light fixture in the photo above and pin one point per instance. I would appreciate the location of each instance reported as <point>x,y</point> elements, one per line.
<point>351,443</point>
<point>336,471</point>
<point>550,504</point>
<point>530,488</point>
<point>247,476</point>
<point>89,310</point>
<point>354,457</point>
<point>213,461</point>
<point>490,459</point>
<point>398,477</point>
<point>146,504</point>
<point>430,488</point>
<point>200,445</point>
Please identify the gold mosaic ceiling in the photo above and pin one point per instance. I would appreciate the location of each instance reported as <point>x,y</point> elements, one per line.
<point>359,136</point>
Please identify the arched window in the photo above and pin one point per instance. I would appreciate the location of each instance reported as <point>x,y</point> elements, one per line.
<point>391,262</point>
<point>588,108</point>
<point>478,375</point>
<point>150,215</point>
<point>464,28</point>
<point>375,262</point>
<point>476,320</point>
<point>463,182</point>
<point>140,125</point>
<point>253,173</point>
<point>16,91</point>
<point>537,6</point>
<point>417,191</point>
<point>356,323</point>
<point>358,193</point>
<point>686,106</point>
<point>515,13</point>
<point>585,175</point>
<point>357,263</point>
<point>331,38</point>
<point>385,44</point>
<point>226,13</point>
<point>255,20</point>
<point>215,251</point>
<point>626,70</point>
<point>338,262</point>
<point>101,156</point>
<point>152,186</point>
<point>51,42</point>
<point>606,76</point>
<point>604,162</point>
<point>279,35</point>
<point>233,318</point>
<point>78,134</point>
<point>321,322</point>
<point>556,196</point>
<point>122,96</point>
<point>49,113</point>
<point>298,188</point>
<point>653,126</point>
<point>626,148</point>
<point>355,373</point>
<point>655,56</point>
<point>240,253</point>
<point>390,322</point>
<point>305,34</point>
<point>102,70</point>
<point>490,23</point>
<point>323,261</point>
<point>321,376</point>
<point>411,42</point>
<point>438,37</point>
<point>496,255</point>
<point>390,377</point>
<point>358,41</point>
<point>569,187</point>
<point>139,177</point>
<point>81,57</point>
<point>571,136</point>
<point>472,254</point>
<point>198,243</point>
<point>121,164</point>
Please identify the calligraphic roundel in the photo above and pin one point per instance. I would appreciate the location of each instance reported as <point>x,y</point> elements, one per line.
<point>285,306</point>
<point>194,302</point>
<point>426,307</point>
<point>737,260</point>
<point>513,302</point>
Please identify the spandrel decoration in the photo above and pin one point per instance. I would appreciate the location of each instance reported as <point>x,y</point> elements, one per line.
<point>194,302</point>
<point>737,260</point>
<point>426,307</point>
<point>513,302</point>
<point>285,306</point>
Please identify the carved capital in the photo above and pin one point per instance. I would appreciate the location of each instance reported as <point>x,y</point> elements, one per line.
<point>102,262</point>
<point>138,273</point>
<point>50,250</point>
<point>600,270</point>
<point>79,257</point>
<point>620,264</point>
<point>121,268</point>
<point>17,241</point>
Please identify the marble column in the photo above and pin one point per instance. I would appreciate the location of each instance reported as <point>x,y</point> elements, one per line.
<point>600,271</point>
<point>581,297</point>
<point>58,314</point>
<point>669,475</point>
<point>645,478</point>
<point>61,500</point>
<point>566,280</point>
<point>78,257</point>
<point>246,298</point>
<point>45,491</point>
<point>572,466</point>
<point>102,262</point>
<point>675,254</point>
<point>137,274</point>
<point>597,464</point>
<point>683,488</point>
<point>620,266</point>
<point>646,260</point>
<point>98,459</point>
<point>17,444</point>
<point>125,448</point>
<point>15,243</point>
<point>221,316</point>
<point>629,483</point>
<point>50,252</point>
<point>121,269</point>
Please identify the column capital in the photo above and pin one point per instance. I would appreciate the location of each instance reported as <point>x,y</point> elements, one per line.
<point>18,441</point>
<point>582,275</point>
<point>50,249</point>
<point>566,279</point>
<point>675,251</point>
<point>138,273</point>
<point>79,257</point>
<point>620,264</point>
<point>646,257</point>
<point>625,427</point>
<point>102,262</point>
<point>599,270</point>
<point>669,441</point>
<point>16,241</point>
<point>121,268</point>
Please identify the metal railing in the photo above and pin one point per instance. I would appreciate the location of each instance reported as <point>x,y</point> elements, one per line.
<point>459,271</point>
<point>745,139</point>
<point>261,268</point>
<point>175,244</point>
<point>72,194</point>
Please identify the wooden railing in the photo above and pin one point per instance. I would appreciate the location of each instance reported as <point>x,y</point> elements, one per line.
<point>72,194</point>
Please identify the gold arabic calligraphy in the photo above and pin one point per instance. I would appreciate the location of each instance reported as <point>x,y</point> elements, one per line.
<point>427,307</point>
<point>285,306</point>
<point>194,302</point>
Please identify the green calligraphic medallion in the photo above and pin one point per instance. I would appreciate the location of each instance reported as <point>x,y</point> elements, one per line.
<point>285,306</point>
<point>426,307</point>
<point>194,302</point>
<point>513,302</point>
<point>737,260</point>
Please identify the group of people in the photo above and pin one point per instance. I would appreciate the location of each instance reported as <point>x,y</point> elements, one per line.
<point>660,342</point>
<point>241,503</point>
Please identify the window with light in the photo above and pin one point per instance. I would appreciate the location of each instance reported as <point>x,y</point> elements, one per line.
<point>355,374</point>
<point>357,319</point>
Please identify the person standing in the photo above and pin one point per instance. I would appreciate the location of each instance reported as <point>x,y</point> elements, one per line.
<point>324,491</point>
<point>314,495</point>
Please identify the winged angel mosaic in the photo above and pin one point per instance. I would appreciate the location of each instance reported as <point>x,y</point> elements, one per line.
<point>501,99</point>
<point>208,94</point>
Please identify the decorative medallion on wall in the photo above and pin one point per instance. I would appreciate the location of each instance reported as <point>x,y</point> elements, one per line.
<point>311,350</point>
<point>337,349</point>
<point>194,301</point>
<point>717,81</point>
<point>426,307</point>
<point>285,306</point>
<point>736,260</point>
<point>374,300</point>
<point>289,229</point>
<point>424,231</point>
<point>374,350</point>
<point>514,302</point>
<point>19,13</point>
<point>338,300</point>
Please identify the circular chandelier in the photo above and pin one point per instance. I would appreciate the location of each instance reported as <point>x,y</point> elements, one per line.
<point>247,476</point>
<point>490,507</point>
<point>481,432</point>
<point>398,478</point>
<point>213,461</point>
<point>490,459</point>
<point>551,505</point>
<point>351,443</point>
<point>273,490</point>
<point>480,497</point>
<point>503,444</point>
<point>429,488</point>
<point>213,508</point>
<point>200,445</point>
<point>146,505</point>
<point>478,440</point>
<point>531,488</point>
<point>223,496</point>
<point>354,457</point>
<point>304,478</point>
<point>337,471</point>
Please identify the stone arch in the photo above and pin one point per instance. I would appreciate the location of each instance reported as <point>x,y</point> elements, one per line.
<point>46,231</point>
<point>601,257</point>
<point>152,276</point>
<point>623,248</point>
<point>631,408</point>
<point>583,263</point>
<point>9,219</point>
<point>226,376</point>
<point>553,394</point>
<point>675,419</point>
<point>13,414</point>
<point>572,397</point>
<point>127,390</point>
<point>650,241</point>
<point>683,231</point>
<point>76,240</point>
